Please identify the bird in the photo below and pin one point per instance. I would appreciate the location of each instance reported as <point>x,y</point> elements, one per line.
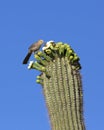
<point>32,49</point>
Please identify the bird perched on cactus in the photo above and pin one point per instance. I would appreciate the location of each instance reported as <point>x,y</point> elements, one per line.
<point>33,48</point>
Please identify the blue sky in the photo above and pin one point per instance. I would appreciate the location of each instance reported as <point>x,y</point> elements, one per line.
<point>78,22</point>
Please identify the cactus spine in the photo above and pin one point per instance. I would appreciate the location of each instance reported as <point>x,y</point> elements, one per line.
<point>62,87</point>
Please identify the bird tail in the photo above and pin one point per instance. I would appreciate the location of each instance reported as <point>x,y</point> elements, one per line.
<point>26,58</point>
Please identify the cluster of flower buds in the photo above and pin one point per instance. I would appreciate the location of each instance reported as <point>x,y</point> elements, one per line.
<point>49,53</point>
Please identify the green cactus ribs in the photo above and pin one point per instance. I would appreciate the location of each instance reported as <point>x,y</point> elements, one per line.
<point>51,52</point>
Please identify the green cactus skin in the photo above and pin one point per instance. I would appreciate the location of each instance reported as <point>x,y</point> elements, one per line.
<point>62,86</point>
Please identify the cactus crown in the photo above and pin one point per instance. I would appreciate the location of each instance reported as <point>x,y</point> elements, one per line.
<point>52,51</point>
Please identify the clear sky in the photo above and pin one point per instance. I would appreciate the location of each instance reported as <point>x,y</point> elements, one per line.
<point>78,22</point>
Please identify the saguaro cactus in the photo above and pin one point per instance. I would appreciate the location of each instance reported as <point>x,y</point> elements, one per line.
<point>62,86</point>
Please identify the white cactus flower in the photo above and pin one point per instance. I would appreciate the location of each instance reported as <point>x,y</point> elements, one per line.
<point>48,44</point>
<point>30,64</point>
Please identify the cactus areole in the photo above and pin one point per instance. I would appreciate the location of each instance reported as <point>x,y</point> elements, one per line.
<point>60,77</point>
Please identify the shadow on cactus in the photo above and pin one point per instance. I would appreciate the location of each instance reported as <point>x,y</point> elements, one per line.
<point>60,77</point>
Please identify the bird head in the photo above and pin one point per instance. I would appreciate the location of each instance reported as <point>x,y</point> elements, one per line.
<point>40,42</point>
